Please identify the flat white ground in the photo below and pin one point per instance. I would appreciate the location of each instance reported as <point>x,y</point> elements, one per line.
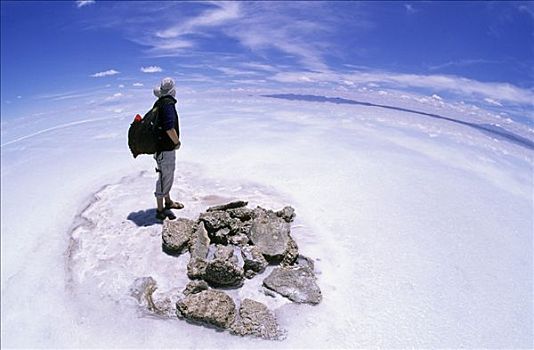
<point>422,229</point>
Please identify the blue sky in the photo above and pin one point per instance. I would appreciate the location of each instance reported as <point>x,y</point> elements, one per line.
<point>482,49</point>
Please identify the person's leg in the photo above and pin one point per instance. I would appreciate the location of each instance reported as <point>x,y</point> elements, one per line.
<point>160,184</point>
<point>159,203</point>
<point>166,165</point>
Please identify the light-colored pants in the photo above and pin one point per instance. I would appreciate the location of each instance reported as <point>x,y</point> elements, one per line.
<point>166,162</point>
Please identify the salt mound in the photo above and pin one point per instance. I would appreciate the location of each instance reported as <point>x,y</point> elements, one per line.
<point>116,251</point>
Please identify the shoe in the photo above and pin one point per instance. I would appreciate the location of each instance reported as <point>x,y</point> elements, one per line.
<point>174,205</point>
<point>162,215</point>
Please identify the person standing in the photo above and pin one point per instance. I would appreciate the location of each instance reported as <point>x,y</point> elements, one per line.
<point>168,142</point>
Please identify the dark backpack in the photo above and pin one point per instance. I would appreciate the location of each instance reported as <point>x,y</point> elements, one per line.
<point>143,134</point>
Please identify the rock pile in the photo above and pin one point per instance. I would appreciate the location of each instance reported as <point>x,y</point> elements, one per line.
<point>229,244</point>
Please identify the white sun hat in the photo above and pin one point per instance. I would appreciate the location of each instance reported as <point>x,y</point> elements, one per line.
<point>166,88</point>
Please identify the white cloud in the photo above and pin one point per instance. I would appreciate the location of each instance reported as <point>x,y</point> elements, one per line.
<point>137,84</point>
<point>121,86</point>
<point>105,73</point>
<point>224,12</point>
<point>114,97</point>
<point>454,84</point>
<point>234,71</point>
<point>151,69</point>
<point>260,66</point>
<point>492,102</point>
<point>257,26</point>
<point>437,97</point>
<point>82,3</point>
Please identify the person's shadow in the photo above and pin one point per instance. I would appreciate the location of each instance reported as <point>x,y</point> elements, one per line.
<point>144,217</point>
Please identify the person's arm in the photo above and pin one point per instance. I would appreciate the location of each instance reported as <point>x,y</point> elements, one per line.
<point>169,118</point>
<point>173,135</point>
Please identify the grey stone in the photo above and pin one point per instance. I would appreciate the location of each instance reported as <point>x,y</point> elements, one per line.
<point>291,253</point>
<point>176,234</point>
<point>238,227</point>
<point>296,283</point>
<point>198,247</point>
<point>196,268</point>
<point>238,240</point>
<point>215,220</point>
<point>250,274</point>
<point>199,243</point>
<point>270,234</point>
<point>224,273</point>
<point>257,320</point>
<point>143,290</point>
<point>196,286</point>
<point>304,261</point>
<point>287,213</point>
<point>231,205</point>
<point>209,306</point>
<point>223,252</point>
<point>253,259</point>
<point>243,214</point>
<point>220,236</point>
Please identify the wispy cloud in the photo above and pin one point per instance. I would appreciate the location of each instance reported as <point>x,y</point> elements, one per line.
<point>82,3</point>
<point>410,9</point>
<point>492,102</point>
<point>234,71</point>
<point>461,63</point>
<point>137,84</point>
<point>453,84</point>
<point>151,69</point>
<point>527,7</point>
<point>222,13</point>
<point>114,97</point>
<point>265,29</point>
<point>105,73</point>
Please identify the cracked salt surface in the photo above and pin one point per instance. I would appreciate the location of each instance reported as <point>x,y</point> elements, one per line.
<point>108,252</point>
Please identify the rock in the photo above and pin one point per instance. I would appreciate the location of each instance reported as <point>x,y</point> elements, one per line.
<point>209,306</point>
<point>270,234</point>
<point>224,273</point>
<point>198,247</point>
<point>223,252</point>
<point>296,283</point>
<point>238,240</point>
<point>196,268</point>
<point>238,227</point>
<point>257,320</point>
<point>220,236</point>
<point>231,205</point>
<point>143,290</point>
<point>176,234</point>
<point>304,261</point>
<point>215,220</point>
<point>194,287</point>
<point>287,213</point>
<point>250,274</point>
<point>253,259</point>
<point>243,214</point>
<point>199,243</point>
<point>291,253</point>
